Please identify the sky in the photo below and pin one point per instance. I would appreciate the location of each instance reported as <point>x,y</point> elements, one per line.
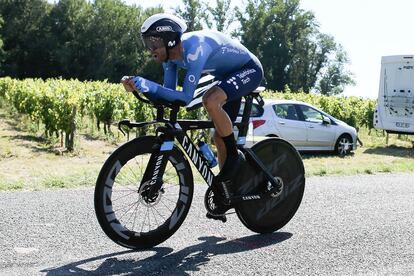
<point>367,29</point>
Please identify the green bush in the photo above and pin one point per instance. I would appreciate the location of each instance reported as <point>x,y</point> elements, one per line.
<point>60,105</point>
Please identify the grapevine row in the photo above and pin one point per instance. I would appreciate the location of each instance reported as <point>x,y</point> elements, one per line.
<point>61,104</point>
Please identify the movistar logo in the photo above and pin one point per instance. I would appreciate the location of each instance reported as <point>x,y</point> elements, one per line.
<point>144,86</point>
<point>164,29</point>
<point>171,43</point>
<point>194,57</point>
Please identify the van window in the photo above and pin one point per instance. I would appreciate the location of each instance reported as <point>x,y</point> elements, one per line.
<point>286,111</point>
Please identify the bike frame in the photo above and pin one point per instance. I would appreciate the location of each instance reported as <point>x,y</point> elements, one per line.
<point>174,129</point>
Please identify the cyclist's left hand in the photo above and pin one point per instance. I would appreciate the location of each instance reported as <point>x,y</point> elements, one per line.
<point>145,86</point>
<point>128,83</point>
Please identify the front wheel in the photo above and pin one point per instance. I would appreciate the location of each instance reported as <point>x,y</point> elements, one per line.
<point>283,161</point>
<point>126,211</point>
<point>343,145</point>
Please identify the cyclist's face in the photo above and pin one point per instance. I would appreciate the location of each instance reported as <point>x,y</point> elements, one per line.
<point>159,54</point>
<point>156,46</point>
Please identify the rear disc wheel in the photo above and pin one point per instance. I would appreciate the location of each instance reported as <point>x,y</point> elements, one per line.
<point>285,164</point>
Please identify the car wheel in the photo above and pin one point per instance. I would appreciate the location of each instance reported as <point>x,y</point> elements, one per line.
<point>343,145</point>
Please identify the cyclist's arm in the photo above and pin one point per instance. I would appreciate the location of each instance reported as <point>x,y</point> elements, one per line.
<point>155,92</point>
<point>196,60</point>
<point>170,75</point>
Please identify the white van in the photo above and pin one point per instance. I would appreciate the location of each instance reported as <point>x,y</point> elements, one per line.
<point>395,105</point>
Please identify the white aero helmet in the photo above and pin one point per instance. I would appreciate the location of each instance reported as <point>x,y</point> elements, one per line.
<point>162,30</point>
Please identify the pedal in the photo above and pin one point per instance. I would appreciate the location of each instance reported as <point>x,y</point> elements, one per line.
<point>223,218</point>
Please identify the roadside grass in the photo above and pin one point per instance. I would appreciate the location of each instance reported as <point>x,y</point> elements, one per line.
<point>375,156</point>
<point>28,161</point>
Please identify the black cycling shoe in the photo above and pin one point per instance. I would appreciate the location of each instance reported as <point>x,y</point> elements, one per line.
<point>221,191</point>
<point>230,167</point>
<point>223,218</point>
<point>216,209</point>
<point>225,178</point>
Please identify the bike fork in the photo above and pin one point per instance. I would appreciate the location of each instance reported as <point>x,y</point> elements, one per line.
<point>156,166</point>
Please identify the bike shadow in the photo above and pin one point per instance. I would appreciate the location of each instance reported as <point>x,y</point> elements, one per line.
<point>167,262</point>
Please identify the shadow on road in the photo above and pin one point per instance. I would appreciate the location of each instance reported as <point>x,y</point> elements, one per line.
<point>166,261</point>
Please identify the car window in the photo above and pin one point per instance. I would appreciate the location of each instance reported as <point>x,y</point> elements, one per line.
<point>257,110</point>
<point>286,111</point>
<point>311,115</point>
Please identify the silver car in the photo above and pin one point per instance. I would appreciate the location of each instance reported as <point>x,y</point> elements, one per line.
<point>305,126</point>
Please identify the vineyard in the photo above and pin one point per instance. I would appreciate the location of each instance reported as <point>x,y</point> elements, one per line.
<point>59,106</point>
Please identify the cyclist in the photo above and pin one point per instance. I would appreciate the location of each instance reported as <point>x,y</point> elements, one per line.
<point>237,69</point>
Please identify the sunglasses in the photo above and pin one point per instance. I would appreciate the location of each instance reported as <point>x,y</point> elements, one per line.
<point>153,42</point>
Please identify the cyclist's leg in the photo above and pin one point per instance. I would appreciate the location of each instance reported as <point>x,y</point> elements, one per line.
<point>232,109</point>
<point>227,94</point>
<point>221,148</point>
<point>236,85</point>
<point>229,165</point>
<point>213,101</point>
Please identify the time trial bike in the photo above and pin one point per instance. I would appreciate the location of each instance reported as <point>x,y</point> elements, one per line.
<point>145,188</point>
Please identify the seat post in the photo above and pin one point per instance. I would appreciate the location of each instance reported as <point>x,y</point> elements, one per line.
<point>243,129</point>
<point>173,114</point>
<point>160,113</point>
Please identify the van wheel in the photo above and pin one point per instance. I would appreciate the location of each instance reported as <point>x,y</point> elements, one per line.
<point>343,145</point>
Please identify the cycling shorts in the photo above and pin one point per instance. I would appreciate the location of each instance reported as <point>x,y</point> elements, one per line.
<point>240,83</point>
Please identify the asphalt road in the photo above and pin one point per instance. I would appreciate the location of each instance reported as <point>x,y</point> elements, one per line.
<point>359,225</point>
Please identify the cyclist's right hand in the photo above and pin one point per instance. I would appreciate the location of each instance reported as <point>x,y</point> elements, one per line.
<point>148,88</point>
<point>128,83</point>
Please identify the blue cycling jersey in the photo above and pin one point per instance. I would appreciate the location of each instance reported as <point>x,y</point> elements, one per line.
<point>203,52</point>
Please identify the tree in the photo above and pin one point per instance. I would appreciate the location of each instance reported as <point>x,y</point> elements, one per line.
<point>222,15</point>
<point>274,30</point>
<point>114,43</point>
<point>311,56</point>
<point>193,13</point>
<point>75,39</point>
<point>69,21</point>
<point>2,53</point>
<point>24,37</point>
<point>287,41</point>
<point>334,78</point>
